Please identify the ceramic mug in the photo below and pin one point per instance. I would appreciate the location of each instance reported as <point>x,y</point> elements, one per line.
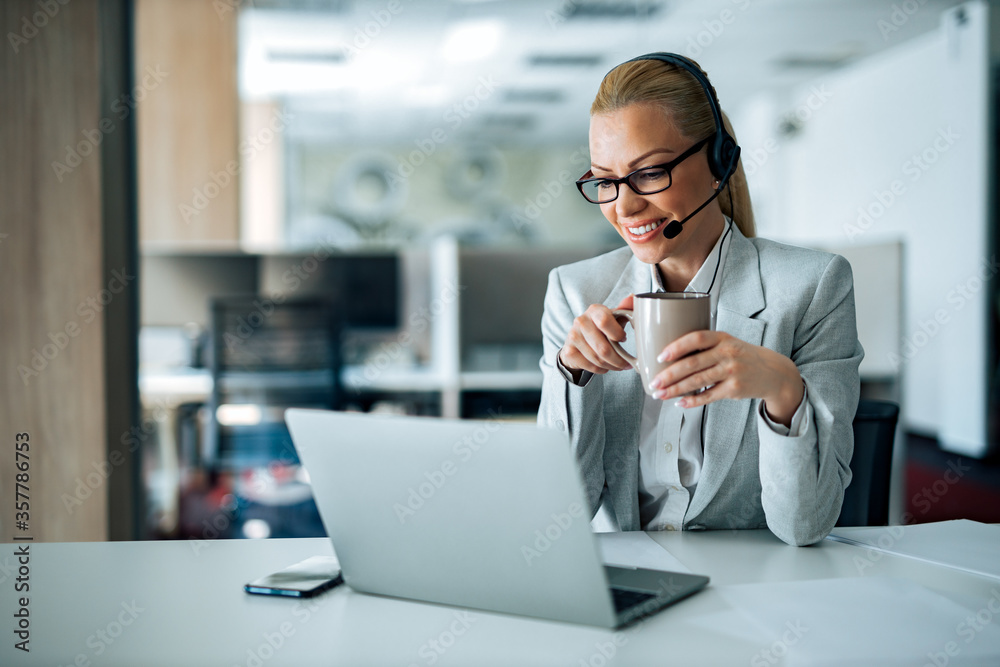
<point>658,319</point>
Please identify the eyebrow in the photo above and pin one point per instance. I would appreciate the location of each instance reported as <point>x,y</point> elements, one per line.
<point>638,159</point>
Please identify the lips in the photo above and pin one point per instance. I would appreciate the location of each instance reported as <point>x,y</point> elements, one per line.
<point>644,232</point>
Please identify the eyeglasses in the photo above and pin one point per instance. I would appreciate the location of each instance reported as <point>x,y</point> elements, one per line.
<point>645,181</point>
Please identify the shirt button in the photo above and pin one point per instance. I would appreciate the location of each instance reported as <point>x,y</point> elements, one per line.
<point>675,488</point>
<point>668,447</point>
<point>668,527</point>
<point>561,425</point>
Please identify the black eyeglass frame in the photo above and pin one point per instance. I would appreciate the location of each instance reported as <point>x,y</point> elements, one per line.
<point>666,166</point>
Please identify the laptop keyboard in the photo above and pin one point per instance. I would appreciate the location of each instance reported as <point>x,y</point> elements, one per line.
<point>625,600</point>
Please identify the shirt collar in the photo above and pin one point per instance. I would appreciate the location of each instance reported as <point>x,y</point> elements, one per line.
<point>703,278</point>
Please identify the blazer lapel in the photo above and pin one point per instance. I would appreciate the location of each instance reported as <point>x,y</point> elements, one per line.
<point>741,297</point>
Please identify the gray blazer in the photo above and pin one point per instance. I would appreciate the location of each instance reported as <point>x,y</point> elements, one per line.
<point>796,301</point>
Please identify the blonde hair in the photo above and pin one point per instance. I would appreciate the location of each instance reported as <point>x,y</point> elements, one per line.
<point>682,97</point>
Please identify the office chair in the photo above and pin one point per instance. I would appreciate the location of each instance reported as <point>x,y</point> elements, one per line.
<point>866,500</point>
<point>266,357</point>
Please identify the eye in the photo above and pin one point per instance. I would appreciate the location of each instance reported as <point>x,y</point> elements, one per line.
<point>651,175</point>
<point>605,185</point>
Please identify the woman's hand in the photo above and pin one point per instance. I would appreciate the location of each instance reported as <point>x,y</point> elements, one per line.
<point>730,368</point>
<point>587,347</point>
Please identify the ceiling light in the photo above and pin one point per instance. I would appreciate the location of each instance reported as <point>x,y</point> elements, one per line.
<point>426,96</point>
<point>471,40</point>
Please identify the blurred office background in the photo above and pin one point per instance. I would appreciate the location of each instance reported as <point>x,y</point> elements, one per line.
<point>355,204</point>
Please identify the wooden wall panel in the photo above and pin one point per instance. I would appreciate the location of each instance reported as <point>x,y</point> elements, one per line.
<point>187,122</point>
<point>51,266</point>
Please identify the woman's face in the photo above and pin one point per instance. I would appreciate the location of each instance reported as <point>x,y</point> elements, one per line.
<point>639,136</point>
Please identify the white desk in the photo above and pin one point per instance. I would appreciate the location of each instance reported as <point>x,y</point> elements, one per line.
<point>194,612</point>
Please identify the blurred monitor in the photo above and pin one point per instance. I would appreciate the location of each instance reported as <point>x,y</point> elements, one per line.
<point>366,286</point>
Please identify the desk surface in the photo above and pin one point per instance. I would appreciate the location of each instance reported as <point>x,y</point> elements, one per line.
<point>181,603</point>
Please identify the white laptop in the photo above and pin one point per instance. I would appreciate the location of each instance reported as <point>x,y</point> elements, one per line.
<point>481,514</point>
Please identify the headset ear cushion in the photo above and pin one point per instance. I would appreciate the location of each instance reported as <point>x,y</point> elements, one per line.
<point>725,156</point>
<point>718,155</point>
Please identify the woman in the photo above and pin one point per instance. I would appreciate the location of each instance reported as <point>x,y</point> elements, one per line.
<point>769,442</point>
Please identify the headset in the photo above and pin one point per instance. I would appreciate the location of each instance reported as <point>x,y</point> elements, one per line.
<point>723,151</point>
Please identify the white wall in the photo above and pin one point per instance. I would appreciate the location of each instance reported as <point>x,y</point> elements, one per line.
<point>896,148</point>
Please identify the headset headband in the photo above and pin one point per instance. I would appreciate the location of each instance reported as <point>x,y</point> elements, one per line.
<point>723,153</point>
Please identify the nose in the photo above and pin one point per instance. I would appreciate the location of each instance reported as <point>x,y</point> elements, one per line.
<point>628,203</point>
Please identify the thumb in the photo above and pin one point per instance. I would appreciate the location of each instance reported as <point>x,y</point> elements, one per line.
<point>626,303</point>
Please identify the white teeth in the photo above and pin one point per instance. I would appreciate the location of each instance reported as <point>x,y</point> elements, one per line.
<point>645,229</point>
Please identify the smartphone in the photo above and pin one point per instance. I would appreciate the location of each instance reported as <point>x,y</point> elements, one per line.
<point>302,580</point>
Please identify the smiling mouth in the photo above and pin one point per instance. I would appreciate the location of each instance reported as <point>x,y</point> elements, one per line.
<point>641,231</point>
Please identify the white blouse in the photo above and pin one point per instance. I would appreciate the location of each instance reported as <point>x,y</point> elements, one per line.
<point>670,448</point>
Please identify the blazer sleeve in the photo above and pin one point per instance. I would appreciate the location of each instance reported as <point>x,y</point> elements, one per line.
<point>575,410</point>
<point>803,477</point>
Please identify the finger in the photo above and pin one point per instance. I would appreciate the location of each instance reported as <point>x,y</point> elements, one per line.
<point>579,354</point>
<point>598,330</point>
<point>683,368</point>
<point>593,345</point>
<point>575,360</point>
<point>691,342</point>
<point>699,380</point>
<point>627,303</point>
<point>604,319</point>
<point>710,395</point>
<point>602,351</point>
